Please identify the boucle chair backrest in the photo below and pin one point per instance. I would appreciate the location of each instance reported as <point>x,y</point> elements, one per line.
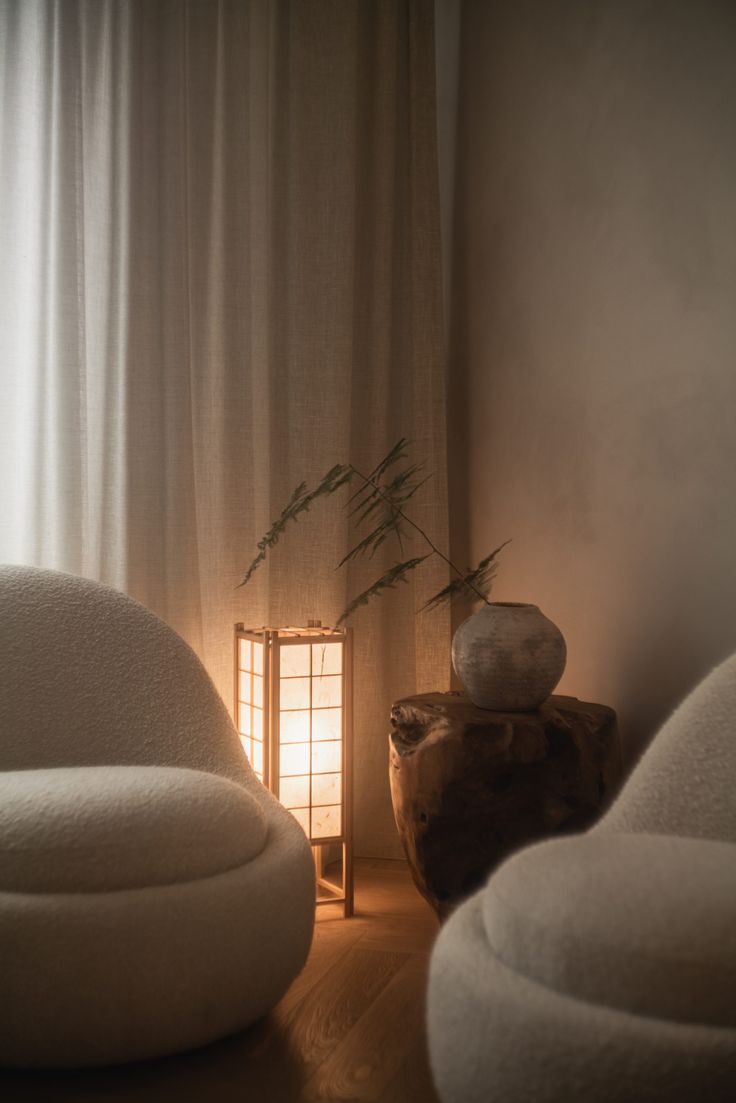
<point>90,677</point>
<point>684,783</point>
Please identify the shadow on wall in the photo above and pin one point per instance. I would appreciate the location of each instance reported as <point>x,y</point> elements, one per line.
<point>593,335</point>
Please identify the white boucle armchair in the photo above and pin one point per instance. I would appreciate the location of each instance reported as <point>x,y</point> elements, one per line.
<point>154,896</point>
<point>602,967</point>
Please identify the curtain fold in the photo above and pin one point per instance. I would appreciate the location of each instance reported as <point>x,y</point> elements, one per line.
<point>219,275</point>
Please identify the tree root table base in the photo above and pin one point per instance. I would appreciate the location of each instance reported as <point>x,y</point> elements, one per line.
<point>469,786</point>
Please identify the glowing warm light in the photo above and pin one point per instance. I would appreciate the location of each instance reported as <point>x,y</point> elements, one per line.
<point>325,822</point>
<point>326,789</point>
<point>294,759</point>
<point>327,692</point>
<point>294,726</point>
<point>294,791</point>
<point>294,693</point>
<point>326,658</point>
<point>293,698</point>
<point>244,690</point>
<point>326,724</point>
<point>250,702</point>
<point>301,815</point>
<point>295,661</point>
<point>257,757</point>
<point>245,717</point>
<point>326,757</point>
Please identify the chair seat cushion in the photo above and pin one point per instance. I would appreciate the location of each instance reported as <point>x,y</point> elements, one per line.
<point>641,923</point>
<point>97,829</point>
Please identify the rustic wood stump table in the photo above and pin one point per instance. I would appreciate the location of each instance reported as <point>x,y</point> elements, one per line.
<point>469,785</point>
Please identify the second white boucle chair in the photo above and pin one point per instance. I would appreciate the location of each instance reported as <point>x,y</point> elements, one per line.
<point>603,966</point>
<point>154,896</point>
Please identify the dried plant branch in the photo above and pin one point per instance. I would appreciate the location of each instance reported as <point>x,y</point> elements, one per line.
<point>300,501</point>
<point>468,586</point>
<point>387,500</point>
<point>470,583</point>
<point>387,581</point>
<point>380,499</point>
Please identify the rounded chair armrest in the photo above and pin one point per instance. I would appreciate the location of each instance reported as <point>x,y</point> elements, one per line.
<point>107,828</point>
<point>683,784</point>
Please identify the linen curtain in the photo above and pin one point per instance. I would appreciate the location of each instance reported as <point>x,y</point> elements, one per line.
<point>219,275</point>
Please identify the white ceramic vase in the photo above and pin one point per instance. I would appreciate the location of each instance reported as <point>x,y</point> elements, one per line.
<point>509,656</point>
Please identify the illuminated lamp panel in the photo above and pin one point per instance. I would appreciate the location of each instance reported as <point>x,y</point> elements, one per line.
<point>256,756</point>
<point>327,757</point>
<point>294,693</point>
<point>294,727</point>
<point>301,815</point>
<point>326,822</point>
<point>326,724</point>
<point>245,660</point>
<point>294,795</point>
<point>294,760</point>
<point>327,691</point>
<point>326,789</point>
<point>293,687</point>
<point>250,702</point>
<point>310,736</point>
<point>294,791</point>
<point>326,658</point>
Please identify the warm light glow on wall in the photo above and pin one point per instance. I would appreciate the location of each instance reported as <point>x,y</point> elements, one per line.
<point>294,713</point>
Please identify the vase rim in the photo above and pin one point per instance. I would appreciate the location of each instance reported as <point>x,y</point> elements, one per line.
<point>513,604</point>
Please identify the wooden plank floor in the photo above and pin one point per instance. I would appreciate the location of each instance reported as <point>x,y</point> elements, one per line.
<point>350,1028</point>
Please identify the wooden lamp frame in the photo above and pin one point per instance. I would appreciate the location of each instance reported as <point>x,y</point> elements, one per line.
<point>272,641</point>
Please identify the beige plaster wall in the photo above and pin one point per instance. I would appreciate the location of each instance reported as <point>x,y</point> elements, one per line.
<point>593,332</point>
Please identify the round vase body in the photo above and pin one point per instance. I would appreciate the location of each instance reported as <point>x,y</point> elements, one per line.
<point>508,656</point>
